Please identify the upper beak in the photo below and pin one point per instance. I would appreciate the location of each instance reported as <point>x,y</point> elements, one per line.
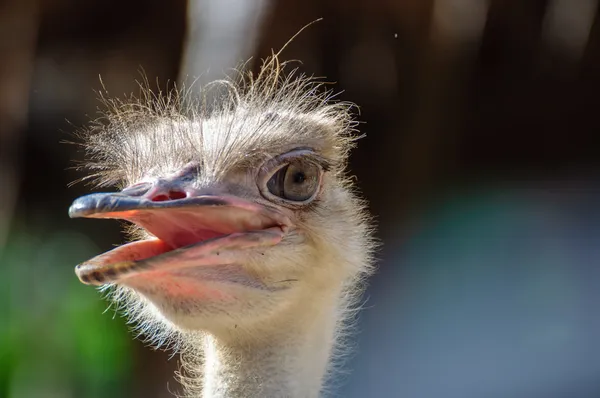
<point>171,219</point>
<point>117,204</point>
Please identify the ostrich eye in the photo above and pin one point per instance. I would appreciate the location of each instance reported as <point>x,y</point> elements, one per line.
<point>297,181</point>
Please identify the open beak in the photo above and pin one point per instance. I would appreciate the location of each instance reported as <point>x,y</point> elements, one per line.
<point>189,232</point>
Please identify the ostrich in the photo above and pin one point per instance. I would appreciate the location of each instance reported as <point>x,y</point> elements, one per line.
<point>249,243</point>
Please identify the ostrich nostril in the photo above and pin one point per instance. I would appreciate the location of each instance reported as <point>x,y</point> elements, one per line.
<point>171,195</point>
<point>174,195</point>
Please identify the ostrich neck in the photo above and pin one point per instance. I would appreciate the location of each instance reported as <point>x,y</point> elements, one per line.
<point>289,361</point>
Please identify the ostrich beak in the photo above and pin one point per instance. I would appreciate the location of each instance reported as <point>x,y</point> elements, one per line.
<point>197,231</point>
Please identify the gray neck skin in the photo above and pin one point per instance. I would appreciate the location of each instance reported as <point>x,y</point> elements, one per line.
<point>289,362</point>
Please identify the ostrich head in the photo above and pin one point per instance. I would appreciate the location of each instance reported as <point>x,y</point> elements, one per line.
<point>244,211</point>
<point>246,225</point>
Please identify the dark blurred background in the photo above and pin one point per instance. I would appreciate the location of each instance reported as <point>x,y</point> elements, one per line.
<point>481,164</point>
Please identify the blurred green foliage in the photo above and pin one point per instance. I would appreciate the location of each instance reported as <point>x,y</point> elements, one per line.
<point>54,340</point>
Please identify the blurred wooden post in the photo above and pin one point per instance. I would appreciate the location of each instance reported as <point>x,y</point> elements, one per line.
<point>567,26</point>
<point>18,32</point>
<point>220,35</point>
